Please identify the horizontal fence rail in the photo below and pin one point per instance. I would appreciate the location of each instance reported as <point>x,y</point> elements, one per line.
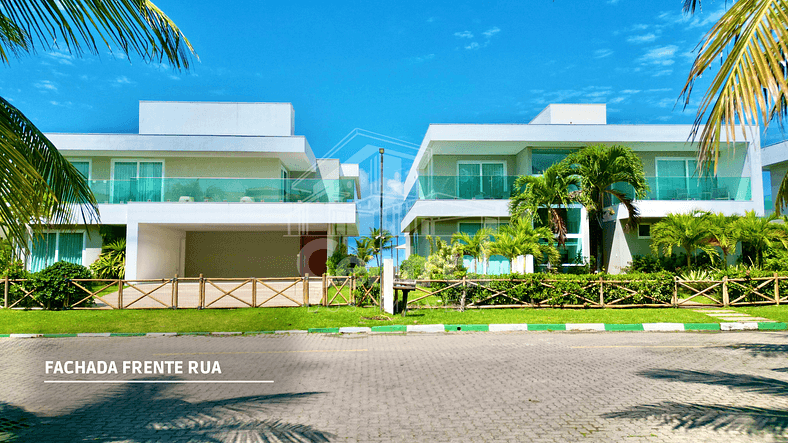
<point>466,293</point>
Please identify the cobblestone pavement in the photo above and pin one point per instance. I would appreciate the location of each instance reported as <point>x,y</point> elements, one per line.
<point>511,387</point>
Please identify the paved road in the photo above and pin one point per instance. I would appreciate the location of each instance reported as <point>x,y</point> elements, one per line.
<point>511,387</point>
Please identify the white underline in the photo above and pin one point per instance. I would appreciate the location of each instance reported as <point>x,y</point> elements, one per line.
<point>158,381</point>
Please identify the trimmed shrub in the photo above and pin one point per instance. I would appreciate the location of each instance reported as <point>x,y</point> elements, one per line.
<point>53,288</point>
<point>413,266</point>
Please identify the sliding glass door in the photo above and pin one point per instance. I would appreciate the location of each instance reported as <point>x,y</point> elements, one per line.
<point>53,247</point>
<point>137,181</point>
<point>481,180</point>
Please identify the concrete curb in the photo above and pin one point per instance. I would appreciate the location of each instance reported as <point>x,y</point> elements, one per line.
<point>440,328</point>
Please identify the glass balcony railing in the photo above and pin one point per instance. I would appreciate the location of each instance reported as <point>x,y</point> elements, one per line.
<point>465,188</point>
<point>223,190</point>
<point>693,188</point>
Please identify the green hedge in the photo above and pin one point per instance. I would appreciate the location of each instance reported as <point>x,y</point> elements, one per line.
<point>559,289</point>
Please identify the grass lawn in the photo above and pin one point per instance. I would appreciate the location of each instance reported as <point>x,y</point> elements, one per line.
<point>269,319</point>
<point>776,313</point>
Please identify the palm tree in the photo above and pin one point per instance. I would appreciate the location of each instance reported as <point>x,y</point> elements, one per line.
<point>553,190</point>
<point>520,237</point>
<point>599,168</point>
<point>364,249</point>
<point>475,246</point>
<point>689,231</point>
<point>759,234</point>
<point>723,233</point>
<point>380,242</point>
<point>750,84</point>
<point>37,184</point>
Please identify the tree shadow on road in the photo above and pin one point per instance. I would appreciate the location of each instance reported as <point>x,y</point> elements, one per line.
<point>150,413</point>
<point>760,349</point>
<point>750,420</point>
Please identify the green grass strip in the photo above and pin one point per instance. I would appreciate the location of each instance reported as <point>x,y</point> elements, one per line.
<point>555,327</point>
<point>615,327</point>
<point>125,334</point>
<point>770,326</point>
<point>450,328</point>
<point>390,328</point>
<point>59,335</point>
<point>323,330</point>
<point>701,326</point>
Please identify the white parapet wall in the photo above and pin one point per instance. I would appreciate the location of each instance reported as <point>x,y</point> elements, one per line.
<point>215,118</point>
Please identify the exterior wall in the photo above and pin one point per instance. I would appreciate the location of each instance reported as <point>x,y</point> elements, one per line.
<point>776,174</point>
<point>93,245</point>
<point>446,165</point>
<point>157,251</point>
<point>205,118</point>
<point>218,167</point>
<point>731,164</point>
<point>523,162</point>
<point>241,254</point>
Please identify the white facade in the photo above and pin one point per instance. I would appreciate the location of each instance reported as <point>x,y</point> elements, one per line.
<point>437,199</point>
<point>202,172</point>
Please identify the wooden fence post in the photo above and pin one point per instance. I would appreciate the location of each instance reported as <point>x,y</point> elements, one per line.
<point>352,287</point>
<point>175,292</point>
<point>776,288</point>
<point>306,289</point>
<point>725,298</point>
<point>254,292</point>
<point>120,294</point>
<point>601,293</point>
<point>325,290</point>
<point>675,299</point>
<point>464,293</point>
<point>201,288</point>
<point>5,293</point>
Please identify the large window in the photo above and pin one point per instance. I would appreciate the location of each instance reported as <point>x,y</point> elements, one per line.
<point>137,181</point>
<point>542,159</point>
<point>673,178</point>
<point>481,179</point>
<point>52,247</point>
<point>83,166</point>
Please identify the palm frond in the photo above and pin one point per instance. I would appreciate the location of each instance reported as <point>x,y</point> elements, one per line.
<point>38,184</point>
<point>751,83</point>
<point>131,26</point>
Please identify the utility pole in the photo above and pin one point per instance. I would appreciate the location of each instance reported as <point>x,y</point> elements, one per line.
<point>380,233</point>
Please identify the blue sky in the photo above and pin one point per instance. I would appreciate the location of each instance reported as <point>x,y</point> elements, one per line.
<point>388,68</point>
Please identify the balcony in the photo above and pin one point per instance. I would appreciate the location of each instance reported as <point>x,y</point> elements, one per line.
<point>246,190</point>
<point>693,188</point>
<point>465,187</point>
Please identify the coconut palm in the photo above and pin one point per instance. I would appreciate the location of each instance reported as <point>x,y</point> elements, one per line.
<point>723,233</point>
<point>520,237</point>
<point>599,168</point>
<point>553,190</point>
<point>759,234</point>
<point>37,184</point>
<point>380,242</point>
<point>688,230</point>
<point>364,249</point>
<point>475,245</point>
<point>749,86</point>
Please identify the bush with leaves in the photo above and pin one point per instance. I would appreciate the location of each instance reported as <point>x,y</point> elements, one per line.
<point>16,291</point>
<point>53,287</point>
<point>412,267</point>
<point>112,261</point>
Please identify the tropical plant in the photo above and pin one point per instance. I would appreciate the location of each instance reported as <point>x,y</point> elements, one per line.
<point>380,241</point>
<point>688,230</point>
<point>112,261</point>
<point>758,234</point>
<point>364,249</point>
<point>553,190</point>
<point>599,168</point>
<point>443,261</point>
<point>475,246</point>
<point>520,237</point>
<point>724,234</point>
<point>413,266</point>
<point>39,185</point>
<point>750,85</point>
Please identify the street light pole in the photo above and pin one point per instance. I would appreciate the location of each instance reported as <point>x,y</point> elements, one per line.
<point>380,233</point>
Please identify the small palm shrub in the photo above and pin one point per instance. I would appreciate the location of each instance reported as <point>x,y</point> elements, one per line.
<point>112,261</point>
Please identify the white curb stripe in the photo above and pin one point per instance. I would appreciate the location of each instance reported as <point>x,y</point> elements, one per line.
<point>25,335</point>
<point>161,334</point>
<point>354,330</point>
<point>93,334</point>
<point>292,331</point>
<point>663,326</point>
<point>739,326</point>
<point>585,326</point>
<point>426,328</point>
<point>508,327</point>
<point>226,333</point>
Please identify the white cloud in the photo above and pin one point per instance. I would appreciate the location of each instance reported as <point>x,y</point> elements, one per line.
<point>473,45</point>
<point>45,85</point>
<point>463,34</point>
<point>492,31</point>
<point>616,100</point>
<point>661,56</point>
<point>61,57</point>
<point>123,80</point>
<point>612,2</point>
<point>422,58</point>
<point>662,73</point>
<point>645,38</point>
<point>602,53</point>
<point>659,90</point>
<point>630,91</point>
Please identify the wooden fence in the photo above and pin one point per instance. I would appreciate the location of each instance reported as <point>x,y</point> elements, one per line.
<point>466,293</point>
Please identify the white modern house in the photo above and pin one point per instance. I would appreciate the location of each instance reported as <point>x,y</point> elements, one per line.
<point>774,159</point>
<point>219,189</point>
<point>463,174</point>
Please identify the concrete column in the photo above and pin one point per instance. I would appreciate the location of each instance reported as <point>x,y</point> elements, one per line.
<point>132,231</point>
<point>387,288</point>
<point>529,264</point>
